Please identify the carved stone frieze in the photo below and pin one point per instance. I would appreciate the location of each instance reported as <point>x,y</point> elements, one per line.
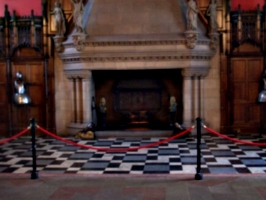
<point>191,39</point>
<point>135,43</point>
<point>136,58</point>
<point>58,40</point>
<point>79,40</point>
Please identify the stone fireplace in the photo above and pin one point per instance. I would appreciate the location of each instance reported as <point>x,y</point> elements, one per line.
<point>136,65</point>
<point>138,98</point>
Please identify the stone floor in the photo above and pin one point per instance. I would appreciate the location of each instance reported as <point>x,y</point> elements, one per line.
<point>219,156</point>
<point>230,170</point>
<point>129,187</point>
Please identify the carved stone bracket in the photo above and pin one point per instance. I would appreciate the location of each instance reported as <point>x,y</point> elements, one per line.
<point>79,41</point>
<point>58,40</point>
<point>214,36</point>
<point>191,39</point>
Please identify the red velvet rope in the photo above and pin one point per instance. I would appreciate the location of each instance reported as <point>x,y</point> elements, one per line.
<point>14,136</point>
<point>114,149</point>
<point>233,139</point>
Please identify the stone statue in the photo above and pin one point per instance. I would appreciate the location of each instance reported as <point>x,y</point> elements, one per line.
<point>102,109</point>
<point>20,96</point>
<point>172,110</point>
<point>59,20</point>
<point>192,15</point>
<point>212,13</point>
<point>102,105</point>
<point>78,14</point>
<point>173,104</point>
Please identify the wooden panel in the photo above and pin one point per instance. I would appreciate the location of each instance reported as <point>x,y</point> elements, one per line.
<point>254,75</point>
<point>3,101</point>
<point>33,73</point>
<point>239,92</point>
<point>240,114</point>
<point>254,113</point>
<point>245,79</point>
<point>239,70</point>
<point>253,91</point>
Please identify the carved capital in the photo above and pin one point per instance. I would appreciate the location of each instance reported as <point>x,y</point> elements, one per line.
<point>191,39</point>
<point>79,41</point>
<point>214,36</point>
<point>195,72</point>
<point>78,74</point>
<point>58,40</point>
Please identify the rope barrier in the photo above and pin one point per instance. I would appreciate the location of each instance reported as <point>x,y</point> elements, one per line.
<point>114,149</point>
<point>14,136</point>
<point>233,139</point>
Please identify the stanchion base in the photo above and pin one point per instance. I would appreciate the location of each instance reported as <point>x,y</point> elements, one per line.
<point>34,175</point>
<point>198,176</point>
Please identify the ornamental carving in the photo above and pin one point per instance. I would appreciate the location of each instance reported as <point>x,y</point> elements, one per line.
<point>214,43</point>
<point>191,39</point>
<point>79,41</point>
<point>58,40</point>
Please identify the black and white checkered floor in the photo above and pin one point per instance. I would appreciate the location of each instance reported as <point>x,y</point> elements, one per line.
<point>219,156</point>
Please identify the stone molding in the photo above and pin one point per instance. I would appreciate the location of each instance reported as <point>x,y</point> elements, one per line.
<point>78,74</point>
<point>134,43</point>
<point>135,58</point>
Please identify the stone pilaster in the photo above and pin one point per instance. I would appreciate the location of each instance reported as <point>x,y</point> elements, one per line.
<point>81,99</point>
<point>193,95</point>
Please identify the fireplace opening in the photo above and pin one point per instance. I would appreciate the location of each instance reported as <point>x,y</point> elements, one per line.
<point>138,99</point>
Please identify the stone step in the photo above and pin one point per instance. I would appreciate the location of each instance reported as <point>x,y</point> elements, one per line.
<point>133,133</point>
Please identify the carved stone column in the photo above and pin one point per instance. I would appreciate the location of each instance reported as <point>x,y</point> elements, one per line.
<point>195,98</point>
<point>201,103</point>
<point>87,86</point>
<point>73,100</point>
<point>187,100</point>
<point>193,94</point>
<point>80,100</point>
